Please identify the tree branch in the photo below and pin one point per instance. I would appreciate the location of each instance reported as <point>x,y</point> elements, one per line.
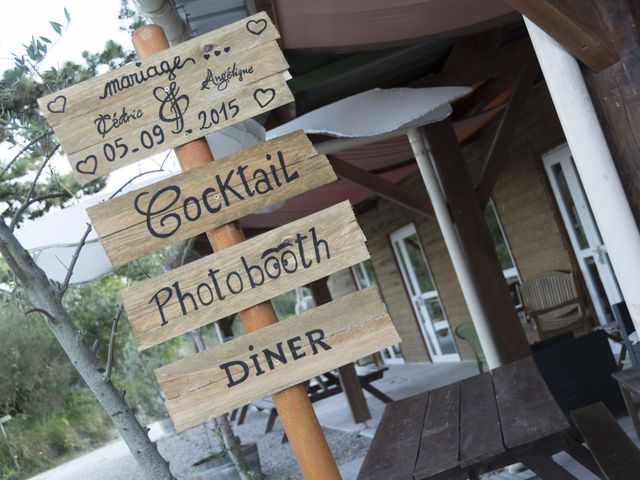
<point>42,312</point>
<point>22,151</point>
<point>16,217</point>
<point>74,259</point>
<point>112,344</point>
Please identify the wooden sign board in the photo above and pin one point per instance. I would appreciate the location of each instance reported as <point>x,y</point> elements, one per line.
<point>244,275</point>
<point>170,98</point>
<point>261,363</point>
<point>220,192</point>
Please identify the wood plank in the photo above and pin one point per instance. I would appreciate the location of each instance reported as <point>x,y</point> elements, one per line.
<point>419,204</point>
<point>576,25</point>
<point>617,456</point>
<point>349,380</point>
<point>526,407</point>
<point>216,381</point>
<point>440,442</point>
<point>480,433</point>
<point>394,449</point>
<point>630,378</point>
<point>244,275</point>
<point>171,98</point>
<point>183,206</point>
<point>468,215</point>
<point>243,104</point>
<point>497,156</point>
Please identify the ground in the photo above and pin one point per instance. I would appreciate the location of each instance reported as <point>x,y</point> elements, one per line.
<point>348,441</point>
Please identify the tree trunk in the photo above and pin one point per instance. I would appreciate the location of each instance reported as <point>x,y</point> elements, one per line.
<point>47,300</point>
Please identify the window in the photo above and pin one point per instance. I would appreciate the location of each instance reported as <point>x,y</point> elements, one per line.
<point>502,249</point>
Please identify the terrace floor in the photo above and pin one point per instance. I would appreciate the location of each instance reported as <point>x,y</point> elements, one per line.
<point>401,381</point>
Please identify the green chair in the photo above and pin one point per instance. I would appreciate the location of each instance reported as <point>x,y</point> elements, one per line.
<point>467,332</point>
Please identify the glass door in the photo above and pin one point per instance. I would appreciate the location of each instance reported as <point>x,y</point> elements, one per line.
<point>423,294</point>
<point>583,232</point>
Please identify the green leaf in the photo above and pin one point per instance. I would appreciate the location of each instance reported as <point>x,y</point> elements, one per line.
<point>57,27</point>
<point>45,39</point>
<point>66,14</point>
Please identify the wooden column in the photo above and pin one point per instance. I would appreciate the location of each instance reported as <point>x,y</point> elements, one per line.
<point>348,376</point>
<point>294,408</point>
<point>468,215</point>
<point>615,96</point>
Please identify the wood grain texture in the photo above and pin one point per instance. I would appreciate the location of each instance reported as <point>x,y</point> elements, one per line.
<point>576,25</point>
<point>616,454</point>
<point>441,433</point>
<point>305,250</point>
<point>197,388</point>
<point>393,451</point>
<point>170,98</point>
<point>129,229</point>
<point>526,407</point>
<point>480,433</point>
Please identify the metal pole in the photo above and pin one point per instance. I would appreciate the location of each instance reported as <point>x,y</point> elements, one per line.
<point>593,161</point>
<point>471,295</point>
<point>293,405</point>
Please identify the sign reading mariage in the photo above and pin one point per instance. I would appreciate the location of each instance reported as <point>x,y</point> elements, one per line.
<point>171,98</point>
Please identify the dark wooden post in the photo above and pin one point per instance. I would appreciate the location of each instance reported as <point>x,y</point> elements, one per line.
<point>468,215</point>
<point>348,376</point>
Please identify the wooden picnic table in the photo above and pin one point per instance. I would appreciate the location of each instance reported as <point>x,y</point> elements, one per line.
<point>629,383</point>
<point>474,426</point>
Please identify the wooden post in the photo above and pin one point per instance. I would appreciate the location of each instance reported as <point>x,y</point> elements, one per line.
<point>348,375</point>
<point>500,316</point>
<point>294,408</point>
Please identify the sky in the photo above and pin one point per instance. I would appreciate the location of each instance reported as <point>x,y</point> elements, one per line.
<point>93,22</point>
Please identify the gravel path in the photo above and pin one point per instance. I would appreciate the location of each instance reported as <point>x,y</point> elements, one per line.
<point>114,462</point>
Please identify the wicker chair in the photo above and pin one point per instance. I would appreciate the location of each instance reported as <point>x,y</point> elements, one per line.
<point>551,300</point>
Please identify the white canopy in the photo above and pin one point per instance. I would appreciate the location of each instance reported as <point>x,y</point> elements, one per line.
<point>54,238</point>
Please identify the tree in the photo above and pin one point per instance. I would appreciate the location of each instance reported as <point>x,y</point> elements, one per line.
<point>26,191</point>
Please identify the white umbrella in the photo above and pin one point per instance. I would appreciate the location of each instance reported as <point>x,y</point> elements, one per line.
<point>54,238</point>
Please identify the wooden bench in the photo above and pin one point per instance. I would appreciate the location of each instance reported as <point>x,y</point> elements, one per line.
<point>616,455</point>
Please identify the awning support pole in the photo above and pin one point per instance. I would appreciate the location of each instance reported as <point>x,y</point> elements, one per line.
<point>593,162</point>
<point>452,241</point>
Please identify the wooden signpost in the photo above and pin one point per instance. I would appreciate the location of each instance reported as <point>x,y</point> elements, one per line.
<point>261,363</point>
<point>188,204</point>
<point>241,276</point>
<point>171,98</point>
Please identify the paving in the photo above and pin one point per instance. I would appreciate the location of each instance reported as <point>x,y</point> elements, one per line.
<point>349,441</point>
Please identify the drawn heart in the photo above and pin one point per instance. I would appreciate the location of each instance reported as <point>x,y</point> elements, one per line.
<point>217,53</point>
<point>206,56</point>
<point>226,49</point>
<point>257,26</point>
<point>189,132</point>
<point>87,166</point>
<point>264,96</point>
<point>58,104</point>
<point>138,64</point>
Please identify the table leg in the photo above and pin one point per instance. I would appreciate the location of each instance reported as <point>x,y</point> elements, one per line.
<point>541,463</point>
<point>631,408</point>
<point>579,453</point>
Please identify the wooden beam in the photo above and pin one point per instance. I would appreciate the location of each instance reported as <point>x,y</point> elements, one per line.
<point>348,376</point>
<point>412,201</point>
<point>474,60</point>
<point>577,25</point>
<point>468,215</point>
<point>497,155</point>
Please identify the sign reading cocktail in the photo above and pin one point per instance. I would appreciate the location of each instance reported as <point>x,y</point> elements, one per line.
<point>192,202</point>
<point>170,98</point>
